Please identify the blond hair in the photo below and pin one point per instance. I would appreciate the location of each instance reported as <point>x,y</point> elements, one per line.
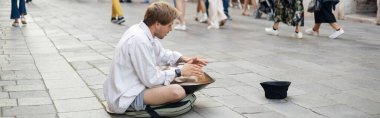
<point>160,12</point>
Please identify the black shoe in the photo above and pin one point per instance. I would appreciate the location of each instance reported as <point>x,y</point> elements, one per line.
<point>128,1</point>
<point>120,20</point>
<point>113,20</point>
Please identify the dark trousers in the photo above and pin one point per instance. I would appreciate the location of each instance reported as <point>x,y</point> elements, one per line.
<point>18,10</point>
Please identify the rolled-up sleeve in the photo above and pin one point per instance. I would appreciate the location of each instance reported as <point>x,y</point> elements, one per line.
<point>144,65</point>
<point>167,56</point>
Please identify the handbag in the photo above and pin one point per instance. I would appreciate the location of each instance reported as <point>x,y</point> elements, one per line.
<point>314,5</point>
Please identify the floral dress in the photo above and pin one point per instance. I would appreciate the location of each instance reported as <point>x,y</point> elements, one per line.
<point>290,12</point>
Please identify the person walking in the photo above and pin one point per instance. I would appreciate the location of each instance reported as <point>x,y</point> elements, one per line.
<point>18,12</point>
<point>290,12</point>
<point>117,14</point>
<point>217,16</point>
<point>201,15</point>
<point>325,15</point>
<point>180,5</point>
<point>245,6</point>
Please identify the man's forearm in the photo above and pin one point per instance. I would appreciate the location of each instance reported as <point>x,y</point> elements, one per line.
<point>182,59</point>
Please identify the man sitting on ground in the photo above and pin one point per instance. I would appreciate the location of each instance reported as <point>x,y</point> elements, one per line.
<point>135,79</point>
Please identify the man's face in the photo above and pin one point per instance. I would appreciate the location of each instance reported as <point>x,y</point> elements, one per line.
<point>162,30</point>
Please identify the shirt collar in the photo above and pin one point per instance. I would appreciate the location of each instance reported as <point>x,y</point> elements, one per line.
<point>147,32</point>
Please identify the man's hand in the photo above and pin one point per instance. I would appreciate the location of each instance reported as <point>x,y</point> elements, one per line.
<point>191,70</point>
<point>197,61</point>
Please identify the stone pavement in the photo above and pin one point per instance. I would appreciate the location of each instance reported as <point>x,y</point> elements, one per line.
<point>56,64</point>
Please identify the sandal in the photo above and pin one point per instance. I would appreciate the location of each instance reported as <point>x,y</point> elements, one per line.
<point>15,24</point>
<point>23,20</point>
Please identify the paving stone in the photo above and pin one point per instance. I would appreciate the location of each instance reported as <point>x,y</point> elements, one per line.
<point>89,72</point>
<point>190,114</point>
<point>18,67</point>
<point>59,66</point>
<point>7,75</point>
<point>99,94</point>
<point>37,116</point>
<point>7,83</point>
<point>235,101</point>
<point>225,82</point>
<point>43,50</point>
<point>312,100</point>
<point>28,94</point>
<point>365,93</point>
<point>249,77</point>
<point>95,80</point>
<point>206,102</point>
<point>8,102</point>
<point>341,111</point>
<point>99,113</point>
<point>292,110</point>
<point>244,90</point>
<point>81,65</point>
<point>340,84</point>
<point>60,75</point>
<point>68,93</point>
<point>357,102</point>
<point>24,88</point>
<point>265,115</point>
<point>218,112</point>
<point>28,74</point>
<point>30,82</point>
<point>35,101</point>
<point>64,83</point>
<point>252,109</point>
<point>81,104</point>
<point>316,88</point>
<point>217,92</point>
<point>226,68</point>
<point>29,110</point>
<point>4,95</point>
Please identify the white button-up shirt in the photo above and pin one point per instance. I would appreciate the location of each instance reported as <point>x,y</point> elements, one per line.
<point>136,66</point>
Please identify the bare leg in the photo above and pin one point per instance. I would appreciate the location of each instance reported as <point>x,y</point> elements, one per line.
<point>316,27</point>
<point>180,5</point>
<point>298,28</point>
<point>276,25</point>
<point>165,94</point>
<point>245,4</point>
<point>335,26</point>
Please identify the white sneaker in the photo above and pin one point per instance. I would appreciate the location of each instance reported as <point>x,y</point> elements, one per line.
<point>213,26</point>
<point>298,35</point>
<point>180,27</point>
<point>310,31</point>
<point>271,31</point>
<point>336,34</point>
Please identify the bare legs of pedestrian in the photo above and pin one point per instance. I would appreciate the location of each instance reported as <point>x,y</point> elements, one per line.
<point>274,30</point>
<point>181,6</point>
<point>201,15</point>
<point>245,6</point>
<point>338,30</point>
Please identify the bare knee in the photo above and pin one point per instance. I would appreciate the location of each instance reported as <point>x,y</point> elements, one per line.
<point>177,92</point>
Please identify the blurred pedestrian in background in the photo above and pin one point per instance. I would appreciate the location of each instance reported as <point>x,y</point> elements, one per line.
<point>201,15</point>
<point>18,12</point>
<point>217,16</point>
<point>117,14</point>
<point>290,12</point>
<point>180,5</point>
<point>325,15</point>
<point>246,4</point>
